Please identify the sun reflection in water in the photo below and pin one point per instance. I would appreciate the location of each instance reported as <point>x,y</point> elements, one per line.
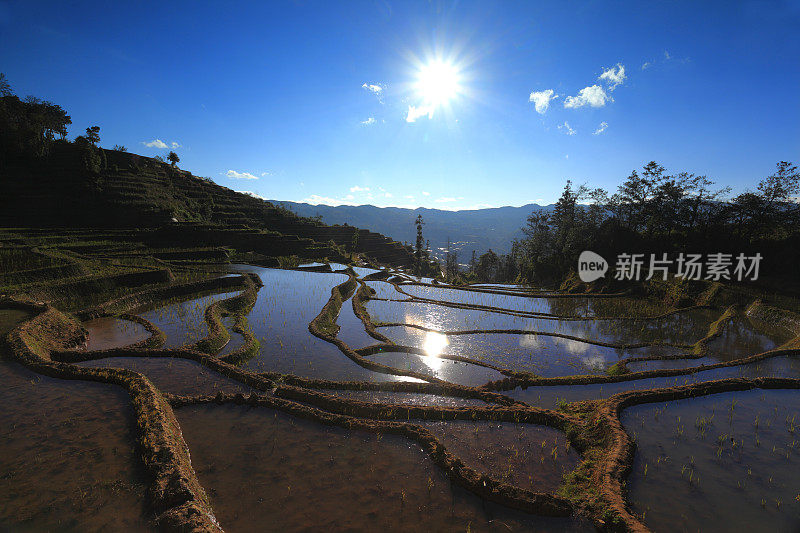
<point>434,345</point>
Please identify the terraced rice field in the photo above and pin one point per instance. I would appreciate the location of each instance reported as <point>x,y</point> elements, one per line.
<point>321,400</point>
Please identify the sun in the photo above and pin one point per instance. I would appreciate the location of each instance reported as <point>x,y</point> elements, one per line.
<point>438,82</point>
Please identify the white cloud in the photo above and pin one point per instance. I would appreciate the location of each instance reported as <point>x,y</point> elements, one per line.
<point>232,174</point>
<point>388,194</point>
<point>316,199</point>
<point>266,174</point>
<point>667,56</point>
<point>369,122</point>
<point>646,65</point>
<point>595,96</point>
<point>601,128</point>
<point>356,188</point>
<point>614,77</point>
<point>253,194</point>
<point>409,196</point>
<point>425,193</point>
<point>566,129</point>
<point>156,143</point>
<point>530,341</point>
<point>417,112</point>
<point>445,199</point>
<point>175,145</point>
<point>541,100</point>
<point>374,88</point>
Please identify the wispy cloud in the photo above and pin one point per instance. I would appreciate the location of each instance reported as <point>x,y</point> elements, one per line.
<point>566,129</point>
<point>415,112</point>
<point>374,88</point>
<point>253,194</point>
<point>156,143</point>
<point>614,76</point>
<point>646,65</point>
<point>175,145</point>
<point>541,100</point>
<point>601,128</point>
<point>232,174</point>
<point>594,96</point>
<point>357,188</point>
<point>369,122</point>
<point>425,193</point>
<point>445,200</point>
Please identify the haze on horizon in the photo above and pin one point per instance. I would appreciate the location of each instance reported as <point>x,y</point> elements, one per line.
<point>447,105</point>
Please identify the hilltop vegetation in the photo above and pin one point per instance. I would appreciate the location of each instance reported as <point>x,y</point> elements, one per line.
<point>49,181</point>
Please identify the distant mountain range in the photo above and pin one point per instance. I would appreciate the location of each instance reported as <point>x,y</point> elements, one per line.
<point>468,230</point>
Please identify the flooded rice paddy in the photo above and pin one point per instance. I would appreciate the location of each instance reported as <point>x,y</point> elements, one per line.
<point>68,460</point>
<point>302,476</point>
<point>713,463</point>
<point>728,461</point>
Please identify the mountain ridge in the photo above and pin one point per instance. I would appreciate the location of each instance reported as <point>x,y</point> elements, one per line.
<point>492,228</point>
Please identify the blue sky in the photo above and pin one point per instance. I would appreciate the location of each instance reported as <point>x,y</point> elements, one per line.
<point>282,98</point>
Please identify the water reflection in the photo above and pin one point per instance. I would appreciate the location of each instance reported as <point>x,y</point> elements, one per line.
<point>434,345</point>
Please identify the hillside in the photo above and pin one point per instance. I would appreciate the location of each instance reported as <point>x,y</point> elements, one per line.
<point>476,229</point>
<point>173,207</point>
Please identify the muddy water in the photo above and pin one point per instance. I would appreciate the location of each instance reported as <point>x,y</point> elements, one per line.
<point>175,376</point>
<point>303,476</point>
<point>112,332</point>
<point>724,462</point>
<point>183,322</point>
<point>68,460</point>
<point>528,456</point>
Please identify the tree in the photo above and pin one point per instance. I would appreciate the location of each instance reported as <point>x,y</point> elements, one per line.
<point>772,211</point>
<point>488,265</point>
<point>5,87</point>
<point>93,135</point>
<point>173,158</point>
<point>450,263</point>
<point>419,250</point>
<point>120,148</point>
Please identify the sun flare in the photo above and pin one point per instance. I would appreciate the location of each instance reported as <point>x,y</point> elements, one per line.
<point>438,82</point>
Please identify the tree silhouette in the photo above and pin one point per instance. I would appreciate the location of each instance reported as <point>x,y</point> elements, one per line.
<point>173,158</point>
<point>93,135</point>
<point>5,87</point>
<point>418,250</point>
